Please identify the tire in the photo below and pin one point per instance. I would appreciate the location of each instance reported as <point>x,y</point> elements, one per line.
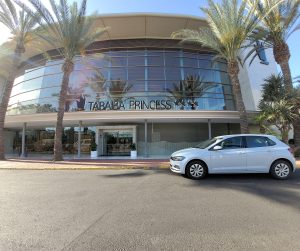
<point>196,170</point>
<point>281,170</point>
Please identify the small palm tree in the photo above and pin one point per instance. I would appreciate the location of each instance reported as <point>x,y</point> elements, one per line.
<point>188,90</point>
<point>67,28</point>
<point>277,107</point>
<point>281,114</point>
<point>230,24</point>
<point>273,88</point>
<point>20,25</point>
<point>277,26</point>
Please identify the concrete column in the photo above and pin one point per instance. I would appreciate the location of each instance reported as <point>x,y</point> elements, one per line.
<point>209,129</point>
<point>79,140</point>
<point>23,153</point>
<point>146,138</point>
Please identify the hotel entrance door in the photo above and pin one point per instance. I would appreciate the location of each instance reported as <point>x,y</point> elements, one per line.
<point>117,143</point>
<point>115,140</point>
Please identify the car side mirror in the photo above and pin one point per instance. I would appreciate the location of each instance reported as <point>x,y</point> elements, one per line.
<point>217,148</point>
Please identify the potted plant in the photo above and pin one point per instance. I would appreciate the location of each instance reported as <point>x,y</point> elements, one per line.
<point>94,152</point>
<point>133,152</point>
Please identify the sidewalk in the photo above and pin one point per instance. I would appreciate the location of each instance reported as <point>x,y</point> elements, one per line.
<point>87,164</point>
<point>84,164</point>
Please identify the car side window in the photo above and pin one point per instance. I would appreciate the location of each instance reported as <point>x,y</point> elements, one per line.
<point>258,141</point>
<point>231,143</point>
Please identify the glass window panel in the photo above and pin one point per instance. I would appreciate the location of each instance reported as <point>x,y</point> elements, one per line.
<point>227,89</point>
<point>136,61</point>
<point>204,64</point>
<point>118,61</point>
<point>190,55</point>
<point>156,73</point>
<point>208,57</point>
<point>27,86</point>
<point>25,96</point>
<point>191,72</point>
<point>134,53</point>
<point>34,73</point>
<point>224,78</point>
<point>52,80</point>
<point>136,73</point>
<point>50,92</point>
<point>118,73</point>
<point>206,75</point>
<point>190,62</point>
<point>97,75</point>
<point>173,73</point>
<point>156,86</point>
<point>53,69</point>
<point>172,59</point>
<point>117,53</point>
<point>155,57</point>
<point>137,86</point>
<point>229,105</point>
<point>219,66</point>
<point>19,80</point>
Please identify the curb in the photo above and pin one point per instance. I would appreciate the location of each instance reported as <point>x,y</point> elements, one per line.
<point>84,168</point>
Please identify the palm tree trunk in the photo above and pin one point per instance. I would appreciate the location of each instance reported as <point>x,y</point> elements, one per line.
<point>282,56</point>
<point>233,71</point>
<point>6,94</point>
<point>296,126</point>
<point>285,134</point>
<point>67,68</point>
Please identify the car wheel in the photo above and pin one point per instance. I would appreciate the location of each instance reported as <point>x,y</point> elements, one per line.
<point>281,169</point>
<point>196,170</point>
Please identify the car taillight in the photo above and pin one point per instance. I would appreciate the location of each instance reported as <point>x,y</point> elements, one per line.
<point>291,150</point>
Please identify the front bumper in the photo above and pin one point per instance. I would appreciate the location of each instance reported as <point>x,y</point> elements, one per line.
<point>177,166</point>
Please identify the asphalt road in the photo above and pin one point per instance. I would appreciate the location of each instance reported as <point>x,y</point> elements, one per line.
<point>147,210</point>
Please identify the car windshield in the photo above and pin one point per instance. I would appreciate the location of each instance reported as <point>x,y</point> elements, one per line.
<point>207,143</point>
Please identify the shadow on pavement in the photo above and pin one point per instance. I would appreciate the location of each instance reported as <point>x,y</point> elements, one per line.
<point>125,175</point>
<point>286,192</point>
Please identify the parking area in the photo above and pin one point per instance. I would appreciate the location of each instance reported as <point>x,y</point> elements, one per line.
<point>146,210</point>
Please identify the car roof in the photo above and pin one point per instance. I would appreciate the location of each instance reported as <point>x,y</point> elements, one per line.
<point>249,134</point>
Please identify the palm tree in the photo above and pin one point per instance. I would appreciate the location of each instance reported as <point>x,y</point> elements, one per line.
<point>281,114</point>
<point>97,82</point>
<point>277,26</point>
<point>188,90</point>
<point>273,88</point>
<point>277,106</point>
<point>118,89</point>
<point>230,24</point>
<point>20,25</point>
<point>67,28</point>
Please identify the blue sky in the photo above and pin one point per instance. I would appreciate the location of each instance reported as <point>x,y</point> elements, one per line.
<point>186,7</point>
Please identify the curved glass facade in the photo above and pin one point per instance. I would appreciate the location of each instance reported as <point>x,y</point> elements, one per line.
<point>142,79</point>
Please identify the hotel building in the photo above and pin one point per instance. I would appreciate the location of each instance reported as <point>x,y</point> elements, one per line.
<point>135,85</point>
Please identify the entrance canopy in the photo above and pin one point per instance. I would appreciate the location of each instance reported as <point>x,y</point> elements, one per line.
<point>104,117</point>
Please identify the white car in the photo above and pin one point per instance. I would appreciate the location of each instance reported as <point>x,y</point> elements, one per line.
<point>242,153</point>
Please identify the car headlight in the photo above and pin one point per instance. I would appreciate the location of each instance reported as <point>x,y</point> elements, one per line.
<point>177,158</point>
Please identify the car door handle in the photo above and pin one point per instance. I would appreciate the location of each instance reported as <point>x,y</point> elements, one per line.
<point>242,152</point>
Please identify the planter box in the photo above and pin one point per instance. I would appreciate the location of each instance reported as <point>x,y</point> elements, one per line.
<point>94,154</point>
<point>133,154</point>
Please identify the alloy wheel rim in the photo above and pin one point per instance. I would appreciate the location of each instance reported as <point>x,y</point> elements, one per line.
<point>196,170</point>
<point>282,170</point>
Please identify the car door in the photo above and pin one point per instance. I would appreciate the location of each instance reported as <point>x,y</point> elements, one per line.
<point>259,153</point>
<point>231,158</point>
